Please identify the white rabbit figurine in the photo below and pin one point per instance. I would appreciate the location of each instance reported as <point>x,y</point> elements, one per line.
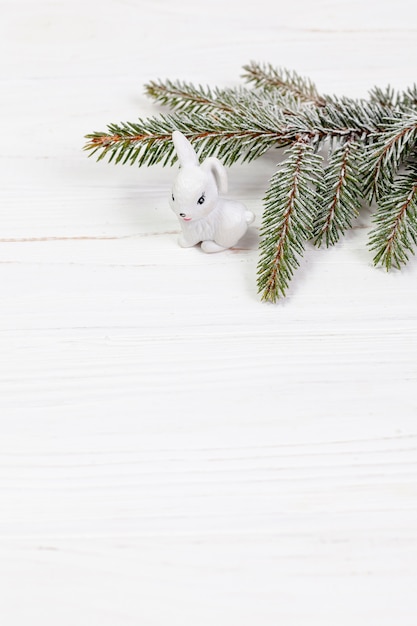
<point>204,216</point>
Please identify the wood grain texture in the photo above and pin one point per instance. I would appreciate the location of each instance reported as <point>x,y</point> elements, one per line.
<point>173,451</point>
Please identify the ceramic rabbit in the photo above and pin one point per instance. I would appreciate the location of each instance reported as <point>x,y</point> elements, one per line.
<point>204,216</point>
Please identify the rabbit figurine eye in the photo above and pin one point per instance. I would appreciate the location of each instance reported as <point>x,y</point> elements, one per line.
<point>173,199</point>
<point>201,199</point>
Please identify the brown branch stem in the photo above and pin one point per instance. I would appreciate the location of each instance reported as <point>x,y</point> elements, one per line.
<point>286,135</point>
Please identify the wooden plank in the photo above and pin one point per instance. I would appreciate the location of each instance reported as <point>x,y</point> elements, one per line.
<point>173,451</point>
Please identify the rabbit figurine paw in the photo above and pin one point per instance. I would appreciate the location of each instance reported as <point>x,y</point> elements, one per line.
<point>204,216</point>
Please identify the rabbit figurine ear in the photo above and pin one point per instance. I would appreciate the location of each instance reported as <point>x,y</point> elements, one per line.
<point>185,152</point>
<point>218,171</point>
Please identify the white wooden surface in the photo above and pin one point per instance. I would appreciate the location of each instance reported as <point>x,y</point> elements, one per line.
<point>172,450</point>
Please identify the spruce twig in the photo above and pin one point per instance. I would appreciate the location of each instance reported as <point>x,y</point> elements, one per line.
<point>388,97</point>
<point>395,234</point>
<point>342,194</point>
<point>182,96</point>
<point>367,141</point>
<point>390,149</point>
<point>254,124</point>
<point>266,75</point>
<point>147,142</point>
<point>291,203</point>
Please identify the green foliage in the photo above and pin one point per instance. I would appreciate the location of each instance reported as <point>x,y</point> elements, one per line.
<point>395,234</point>
<point>341,192</point>
<point>389,97</point>
<point>284,80</point>
<point>367,143</point>
<point>183,96</point>
<point>291,204</point>
<point>388,150</point>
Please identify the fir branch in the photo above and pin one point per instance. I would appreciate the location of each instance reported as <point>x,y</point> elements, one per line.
<point>268,76</point>
<point>342,119</point>
<point>147,142</point>
<point>254,124</point>
<point>395,234</point>
<point>387,96</point>
<point>346,119</point>
<point>409,96</point>
<point>394,99</point>
<point>341,192</point>
<point>291,204</point>
<point>389,150</point>
<point>182,96</point>
<point>368,142</point>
